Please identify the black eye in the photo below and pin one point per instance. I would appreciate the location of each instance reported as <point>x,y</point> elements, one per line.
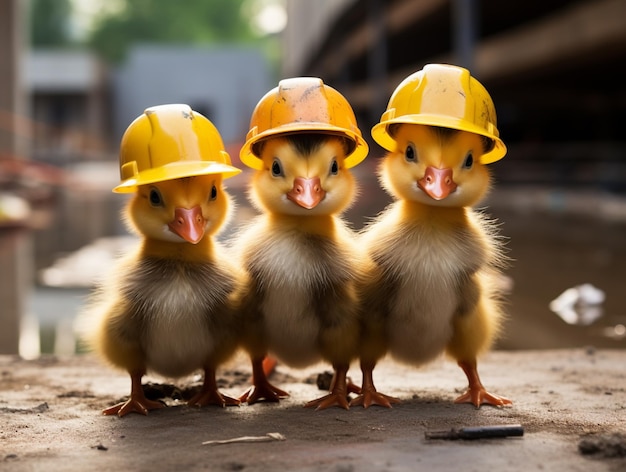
<point>469,161</point>
<point>334,167</point>
<point>213,192</point>
<point>277,168</point>
<point>410,154</point>
<point>155,197</point>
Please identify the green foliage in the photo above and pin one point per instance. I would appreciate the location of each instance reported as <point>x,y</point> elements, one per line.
<point>49,23</point>
<point>188,21</point>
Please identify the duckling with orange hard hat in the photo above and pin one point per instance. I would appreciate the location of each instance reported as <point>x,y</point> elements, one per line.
<point>168,307</point>
<point>432,285</point>
<point>300,303</point>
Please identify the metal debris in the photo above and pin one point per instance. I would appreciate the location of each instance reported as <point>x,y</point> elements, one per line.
<point>478,432</point>
<point>100,447</point>
<point>249,439</point>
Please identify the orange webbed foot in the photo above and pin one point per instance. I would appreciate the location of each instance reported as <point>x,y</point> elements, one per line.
<point>476,394</point>
<point>135,404</point>
<point>264,391</point>
<point>332,399</point>
<point>338,395</point>
<point>371,397</point>
<point>480,396</point>
<point>212,397</point>
<point>209,394</point>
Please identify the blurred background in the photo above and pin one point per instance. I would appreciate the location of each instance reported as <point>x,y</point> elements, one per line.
<point>75,73</point>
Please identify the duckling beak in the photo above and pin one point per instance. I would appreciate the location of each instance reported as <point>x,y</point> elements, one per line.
<point>188,224</point>
<point>437,183</point>
<point>306,193</point>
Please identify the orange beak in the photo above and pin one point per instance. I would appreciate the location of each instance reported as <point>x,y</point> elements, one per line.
<point>188,224</point>
<point>437,183</point>
<point>306,193</point>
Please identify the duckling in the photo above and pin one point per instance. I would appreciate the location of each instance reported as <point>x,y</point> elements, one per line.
<point>299,301</point>
<point>168,307</point>
<point>432,283</point>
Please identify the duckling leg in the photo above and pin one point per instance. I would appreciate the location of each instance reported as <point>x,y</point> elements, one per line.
<point>262,389</point>
<point>137,403</point>
<point>338,395</point>
<point>369,395</point>
<point>476,394</point>
<point>209,394</point>
<point>474,329</point>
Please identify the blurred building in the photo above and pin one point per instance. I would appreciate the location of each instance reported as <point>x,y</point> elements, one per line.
<point>556,70</point>
<point>69,101</point>
<point>70,128</point>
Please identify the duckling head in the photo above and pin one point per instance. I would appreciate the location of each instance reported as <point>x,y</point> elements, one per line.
<point>436,166</point>
<point>181,210</point>
<point>303,174</point>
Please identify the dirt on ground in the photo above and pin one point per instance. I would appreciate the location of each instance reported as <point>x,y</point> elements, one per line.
<point>571,405</point>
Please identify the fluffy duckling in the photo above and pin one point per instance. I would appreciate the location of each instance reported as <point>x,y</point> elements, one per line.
<point>300,302</point>
<point>168,307</point>
<point>431,288</point>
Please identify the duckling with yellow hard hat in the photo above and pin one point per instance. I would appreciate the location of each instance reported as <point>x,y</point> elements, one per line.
<point>168,307</point>
<point>433,283</point>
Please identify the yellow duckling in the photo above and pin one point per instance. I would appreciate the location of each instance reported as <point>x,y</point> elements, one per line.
<point>431,286</point>
<point>168,307</point>
<point>300,302</point>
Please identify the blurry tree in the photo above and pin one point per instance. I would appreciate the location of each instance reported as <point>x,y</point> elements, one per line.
<point>49,23</point>
<point>191,21</point>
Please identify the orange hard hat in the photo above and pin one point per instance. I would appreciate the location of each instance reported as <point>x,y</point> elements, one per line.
<point>303,104</point>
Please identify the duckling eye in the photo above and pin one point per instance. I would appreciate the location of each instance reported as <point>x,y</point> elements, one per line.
<point>469,161</point>
<point>410,154</point>
<point>334,167</point>
<point>277,168</point>
<point>213,192</point>
<point>155,197</point>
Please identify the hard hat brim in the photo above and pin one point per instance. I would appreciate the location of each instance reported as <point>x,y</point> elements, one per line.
<point>381,134</point>
<point>176,170</point>
<point>250,159</point>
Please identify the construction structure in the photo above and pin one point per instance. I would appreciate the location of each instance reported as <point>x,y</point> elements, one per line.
<point>555,69</point>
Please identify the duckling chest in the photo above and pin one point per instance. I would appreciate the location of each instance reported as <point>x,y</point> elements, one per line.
<point>425,267</point>
<point>303,280</point>
<point>178,306</point>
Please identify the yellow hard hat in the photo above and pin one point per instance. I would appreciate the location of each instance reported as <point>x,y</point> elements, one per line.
<point>446,96</point>
<point>169,142</point>
<point>303,104</point>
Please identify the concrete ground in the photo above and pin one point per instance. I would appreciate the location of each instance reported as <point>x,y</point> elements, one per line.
<point>571,404</point>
